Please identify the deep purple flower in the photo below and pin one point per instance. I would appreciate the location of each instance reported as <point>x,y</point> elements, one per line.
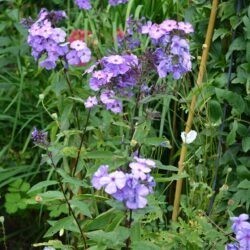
<point>39,137</point>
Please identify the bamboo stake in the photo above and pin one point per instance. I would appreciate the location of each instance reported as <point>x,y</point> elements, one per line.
<point>202,69</point>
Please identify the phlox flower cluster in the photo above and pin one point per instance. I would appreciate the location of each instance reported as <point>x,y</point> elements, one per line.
<point>241,229</point>
<point>48,42</point>
<point>116,76</point>
<point>86,4</point>
<point>117,2</point>
<point>83,4</point>
<point>129,188</point>
<point>170,47</point>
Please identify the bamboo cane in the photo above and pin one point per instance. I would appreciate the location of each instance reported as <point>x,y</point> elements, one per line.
<point>202,69</point>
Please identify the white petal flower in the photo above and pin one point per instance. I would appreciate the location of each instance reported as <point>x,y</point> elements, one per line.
<point>188,137</point>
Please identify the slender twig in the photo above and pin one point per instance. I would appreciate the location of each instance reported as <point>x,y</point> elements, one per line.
<point>81,142</point>
<point>67,201</point>
<point>128,225</point>
<point>72,93</point>
<point>202,69</point>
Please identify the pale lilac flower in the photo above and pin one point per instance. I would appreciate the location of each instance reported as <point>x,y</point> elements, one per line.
<point>107,96</point>
<point>91,102</point>
<point>239,222</point>
<point>243,237</point>
<point>115,106</point>
<point>78,45</point>
<point>113,182</point>
<point>186,27</point>
<point>156,32</point>
<point>116,2</point>
<point>101,172</point>
<point>169,25</point>
<point>85,55</point>
<point>73,58</point>
<point>58,35</point>
<point>83,4</point>
<point>139,170</point>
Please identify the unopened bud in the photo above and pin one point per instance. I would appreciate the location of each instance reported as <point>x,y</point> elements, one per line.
<point>38,198</point>
<point>41,97</point>
<point>54,116</point>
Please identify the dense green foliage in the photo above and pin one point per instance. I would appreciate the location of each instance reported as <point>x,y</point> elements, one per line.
<point>217,166</point>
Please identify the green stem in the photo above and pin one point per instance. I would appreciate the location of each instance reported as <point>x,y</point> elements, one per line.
<point>67,201</point>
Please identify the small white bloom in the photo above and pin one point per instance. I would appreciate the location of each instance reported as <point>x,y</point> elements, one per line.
<point>49,248</point>
<point>188,137</point>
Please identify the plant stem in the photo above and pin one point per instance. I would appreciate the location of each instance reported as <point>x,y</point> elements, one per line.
<point>128,225</point>
<point>81,142</point>
<point>202,69</point>
<point>67,201</point>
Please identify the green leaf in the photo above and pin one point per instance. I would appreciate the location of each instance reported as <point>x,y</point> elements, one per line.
<point>214,111</point>
<point>82,207</point>
<point>244,185</point>
<point>246,144</point>
<point>144,245</point>
<point>238,44</point>
<point>41,185</point>
<point>54,243</point>
<point>172,178</point>
<point>231,137</point>
<point>69,151</point>
<point>112,240</point>
<point>234,99</point>
<point>52,195</point>
<point>157,142</point>
<point>66,223</point>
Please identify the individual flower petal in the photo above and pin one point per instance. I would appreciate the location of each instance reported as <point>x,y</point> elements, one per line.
<point>188,137</point>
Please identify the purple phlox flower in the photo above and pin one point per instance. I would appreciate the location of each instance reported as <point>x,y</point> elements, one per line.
<point>83,4</point>
<point>169,25</point>
<point>136,197</point>
<point>107,96</point>
<point>239,222</point>
<point>243,237</point>
<point>113,182</point>
<point>145,28</point>
<point>58,35</point>
<point>186,27</point>
<point>179,45</point>
<point>49,63</point>
<point>165,67</point>
<point>156,32</point>
<point>73,58</point>
<point>91,102</point>
<point>150,183</point>
<point>39,137</point>
<point>79,53</point>
<point>114,105</point>
<point>116,2</point>
<point>139,170</point>
<point>101,172</point>
<point>115,64</point>
<point>99,79</point>
<point>78,45</point>
<point>85,55</point>
<point>148,162</point>
<point>46,29</point>
<point>232,246</point>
